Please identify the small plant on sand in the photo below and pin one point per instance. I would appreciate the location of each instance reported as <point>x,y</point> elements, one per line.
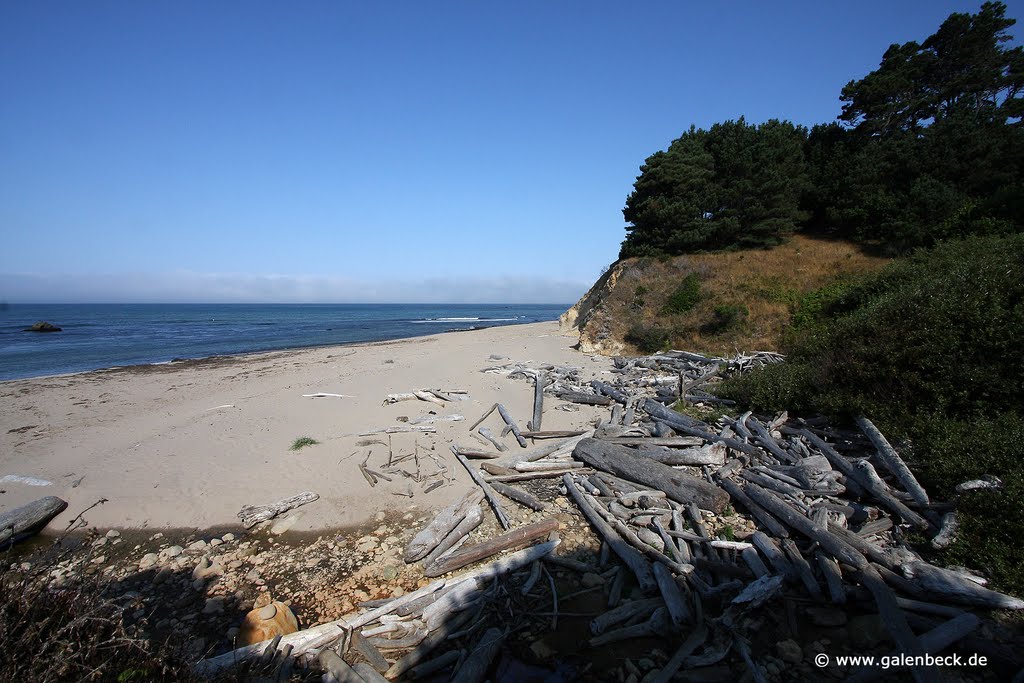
<point>302,442</point>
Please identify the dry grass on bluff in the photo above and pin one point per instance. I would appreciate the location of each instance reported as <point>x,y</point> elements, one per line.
<point>717,303</point>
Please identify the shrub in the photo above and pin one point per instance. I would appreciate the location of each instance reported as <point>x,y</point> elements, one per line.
<point>302,442</point>
<point>647,339</point>
<point>684,297</point>
<point>929,348</point>
<point>725,317</point>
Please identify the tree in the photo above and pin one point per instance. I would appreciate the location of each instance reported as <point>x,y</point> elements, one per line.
<point>963,70</point>
<point>736,185</point>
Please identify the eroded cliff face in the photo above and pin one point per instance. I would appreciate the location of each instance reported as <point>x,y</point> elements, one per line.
<point>590,317</point>
<point>744,299</point>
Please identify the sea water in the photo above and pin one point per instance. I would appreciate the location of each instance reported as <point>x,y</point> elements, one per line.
<point>98,336</point>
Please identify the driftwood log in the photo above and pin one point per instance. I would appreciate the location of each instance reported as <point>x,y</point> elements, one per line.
<point>623,462</point>
<point>26,520</point>
<point>506,541</point>
<point>251,515</point>
<point>431,535</point>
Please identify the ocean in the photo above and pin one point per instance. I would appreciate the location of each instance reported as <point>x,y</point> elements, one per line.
<point>96,336</point>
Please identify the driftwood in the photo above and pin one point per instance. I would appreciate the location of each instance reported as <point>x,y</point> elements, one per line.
<point>953,586</point>
<point>338,667</point>
<point>674,599</point>
<point>400,429</point>
<point>495,504</point>
<point>431,419</point>
<point>893,462</point>
<point>506,541</point>
<point>585,399</point>
<point>368,674</point>
<point>518,495</point>
<point>711,454</point>
<point>474,668</point>
<point>538,402</point>
<point>511,425</point>
<point>251,515</point>
<point>636,562</point>
<point>489,435</point>
<point>430,536</point>
<point>471,521</point>
<point>678,486</point>
<point>26,520</point>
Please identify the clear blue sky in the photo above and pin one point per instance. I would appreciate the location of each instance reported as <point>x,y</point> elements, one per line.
<point>401,151</point>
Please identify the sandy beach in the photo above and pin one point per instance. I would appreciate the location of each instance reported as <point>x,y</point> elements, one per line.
<point>187,445</point>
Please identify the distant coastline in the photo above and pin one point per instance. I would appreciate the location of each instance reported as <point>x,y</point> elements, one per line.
<point>108,337</point>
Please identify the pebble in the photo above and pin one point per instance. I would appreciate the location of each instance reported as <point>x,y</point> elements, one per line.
<point>198,545</point>
<point>148,560</point>
<point>113,533</point>
<point>99,560</point>
<point>283,525</point>
<point>213,605</point>
<point>215,542</point>
<point>389,573</point>
<point>99,542</point>
<point>172,552</point>
<point>227,538</point>
<point>789,651</point>
<point>379,517</point>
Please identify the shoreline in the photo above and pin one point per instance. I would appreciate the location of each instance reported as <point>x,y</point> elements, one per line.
<point>186,445</point>
<point>180,362</point>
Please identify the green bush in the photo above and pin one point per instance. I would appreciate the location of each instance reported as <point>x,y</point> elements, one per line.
<point>647,339</point>
<point>928,348</point>
<point>684,297</point>
<point>725,317</point>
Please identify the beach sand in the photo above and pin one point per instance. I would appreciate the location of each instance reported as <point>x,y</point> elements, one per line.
<point>187,445</point>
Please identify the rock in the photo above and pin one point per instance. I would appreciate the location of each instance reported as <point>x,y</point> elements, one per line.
<point>99,560</point>
<point>283,525</point>
<point>172,552</point>
<point>206,568</point>
<point>248,551</point>
<point>789,651</point>
<point>389,573</point>
<point>542,650</point>
<point>215,542</point>
<point>214,606</point>
<point>100,542</point>
<point>866,631</point>
<point>148,560</point>
<point>826,616</point>
<point>379,517</point>
<point>256,629</point>
<point>43,326</point>
<point>227,538</point>
<point>162,575</point>
<point>113,533</point>
<point>198,545</point>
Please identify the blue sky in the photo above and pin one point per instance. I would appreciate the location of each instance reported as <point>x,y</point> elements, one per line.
<point>403,151</point>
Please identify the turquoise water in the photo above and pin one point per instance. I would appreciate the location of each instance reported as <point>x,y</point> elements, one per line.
<point>98,336</point>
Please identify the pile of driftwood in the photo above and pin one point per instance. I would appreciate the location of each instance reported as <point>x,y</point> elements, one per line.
<point>829,510</point>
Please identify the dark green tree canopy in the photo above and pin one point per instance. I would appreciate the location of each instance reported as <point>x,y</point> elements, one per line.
<point>734,185</point>
<point>963,70</point>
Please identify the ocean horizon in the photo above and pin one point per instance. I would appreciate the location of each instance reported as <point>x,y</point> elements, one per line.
<point>100,336</point>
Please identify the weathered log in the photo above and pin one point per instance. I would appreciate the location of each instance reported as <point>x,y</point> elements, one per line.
<point>895,622</point>
<point>947,531</point>
<point>251,515</point>
<point>711,454</point>
<point>768,441</point>
<point>492,499</point>
<point>670,441</point>
<point>552,434</point>
<point>692,642</point>
<point>871,482</point>
<point>833,578</point>
<point>431,419</point>
<point>674,599</point>
<point>489,435</point>
<point>839,548</point>
<point>688,425</point>
<point>586,399</point>
<point>471,521</point>
<point>739,496</point>
<point>370,653</point>
<point>528,476</point>
<point>511,425</point>
<point>429,397</point>
<point>477,454</point>
<point>338,667</point>
<point>478,661</point>
<point>655,626</point>
<point>24,521</point>
<point>518,495</point>
<point>547,465</point>
<point>401,429</point>
<point>506,541</point>
<point>627,612</point>
<point>892,461</point>
<point>802,567</point>
<point>549,449</point>
<point>436,664</point>
<point>367,673</point>
<point>538,401</point>
<point>773,553</point>
<point>483,417</point>
<point>934,641</point>
<point>956,588</point>
<point>633,559</point>
<point>431,535</point>
<point>679,486</point>
<point>609,391</point>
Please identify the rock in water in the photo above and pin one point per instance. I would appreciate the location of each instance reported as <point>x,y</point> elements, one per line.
<point>43,326</point>
<point>263,623</point>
